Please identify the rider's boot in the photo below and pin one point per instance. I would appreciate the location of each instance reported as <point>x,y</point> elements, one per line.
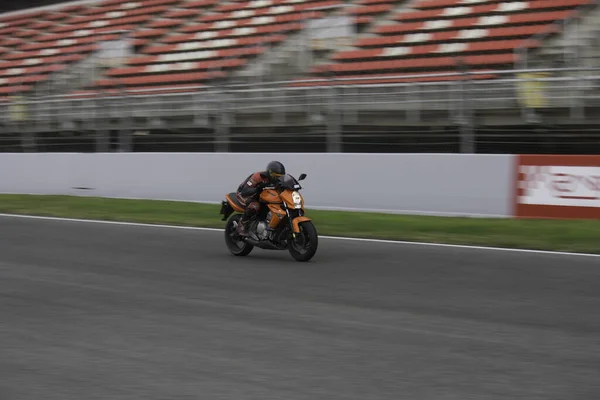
<point>243,225</point>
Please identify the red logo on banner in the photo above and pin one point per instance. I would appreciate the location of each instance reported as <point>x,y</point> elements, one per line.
<point>558,186</point>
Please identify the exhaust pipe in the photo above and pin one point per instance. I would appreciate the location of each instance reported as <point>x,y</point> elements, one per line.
<point>262,244</point>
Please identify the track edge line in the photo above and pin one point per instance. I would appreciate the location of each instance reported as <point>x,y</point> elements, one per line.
<point>355,239</point>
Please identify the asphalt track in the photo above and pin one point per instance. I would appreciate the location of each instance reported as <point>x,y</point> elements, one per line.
<point>94,311</point>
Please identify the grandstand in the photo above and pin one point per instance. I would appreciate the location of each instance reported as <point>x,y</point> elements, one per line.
<point>320,75</point>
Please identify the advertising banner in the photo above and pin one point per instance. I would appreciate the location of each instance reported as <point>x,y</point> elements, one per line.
<point>558,186</point>
<point>532,89</point>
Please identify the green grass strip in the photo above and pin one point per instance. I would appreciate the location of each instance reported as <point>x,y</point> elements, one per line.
<point>558,235</point>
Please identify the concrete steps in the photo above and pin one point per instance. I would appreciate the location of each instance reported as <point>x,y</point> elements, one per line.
<point>577,45</point>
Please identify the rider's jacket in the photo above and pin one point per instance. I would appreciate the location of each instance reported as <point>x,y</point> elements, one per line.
<point>252,186</point>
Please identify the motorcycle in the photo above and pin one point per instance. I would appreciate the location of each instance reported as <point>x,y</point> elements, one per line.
<point>280,225</point>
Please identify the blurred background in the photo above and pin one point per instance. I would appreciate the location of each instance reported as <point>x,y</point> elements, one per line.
<point>443,76</point>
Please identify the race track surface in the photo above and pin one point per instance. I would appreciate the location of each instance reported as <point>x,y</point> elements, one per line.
<point>94,311</point>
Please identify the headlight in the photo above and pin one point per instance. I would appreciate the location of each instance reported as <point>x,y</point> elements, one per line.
<point>297,199</point>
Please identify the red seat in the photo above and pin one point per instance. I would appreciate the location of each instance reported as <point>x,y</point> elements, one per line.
<point>165,23</point>
<point>426,50</point>
<point>23,72</point>
<point>196,55</point>
<point>423,5</point>
<point>11,42</point>
<point>84,49</point>
<point>50,60</point>
<point>186,41</point>
<point>222,39</point>
<point>214,44</point>
<point>15,89</point>
<point>188,66</point>
<point>172,78</point>
<point>485,21</point>
<point>485,8</point>
<point>26,34</point>
<point>445,36</point>
<point>41,25</point>
<point>150,33</point>
<point>367,2</point>
<point>107,16</point>
<point>429,63</point>
<point>64,44</point>
<point>23,79</point>
<point>433,37</point>
<point>371,9</point>
<point>181,14</point>
<point>199,4</point>
<point>58,16</point>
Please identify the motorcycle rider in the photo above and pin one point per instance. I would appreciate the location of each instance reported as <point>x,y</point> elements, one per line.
<point>249,191</point>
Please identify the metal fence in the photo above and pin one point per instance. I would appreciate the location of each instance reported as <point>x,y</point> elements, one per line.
<point>332,104</point>
<point>560,88</point>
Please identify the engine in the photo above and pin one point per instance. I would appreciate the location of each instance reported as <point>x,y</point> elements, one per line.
<point>262,228</point>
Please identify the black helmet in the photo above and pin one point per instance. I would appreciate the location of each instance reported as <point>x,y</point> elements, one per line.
<point>275,169</point>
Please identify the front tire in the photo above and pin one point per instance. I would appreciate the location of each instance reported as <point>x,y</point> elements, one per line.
<point>237,248</point>
<point>304,247</point>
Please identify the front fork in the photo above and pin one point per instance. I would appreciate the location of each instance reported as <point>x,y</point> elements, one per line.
<point>290,222</point>
<point>294,223</point>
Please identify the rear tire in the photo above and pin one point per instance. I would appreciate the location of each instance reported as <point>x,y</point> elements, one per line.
<point>310,239</point>
<point>237,248</point>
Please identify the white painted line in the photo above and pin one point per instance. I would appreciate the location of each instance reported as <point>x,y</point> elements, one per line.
<point>195,228</point>
<point>460,246</point>
<point>97,221</point>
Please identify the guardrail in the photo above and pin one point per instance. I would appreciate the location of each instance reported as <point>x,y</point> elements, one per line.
<point>451,93</point>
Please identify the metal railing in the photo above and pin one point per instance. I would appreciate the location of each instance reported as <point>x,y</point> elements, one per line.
<point>453,94</point>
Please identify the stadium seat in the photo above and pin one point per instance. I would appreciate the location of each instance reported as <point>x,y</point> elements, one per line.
<point>224,39</point>
<point>436,34</point>
<point>56,38</point>
<point>183,43</point>
<point>366,10</point>
<point>17,73</point>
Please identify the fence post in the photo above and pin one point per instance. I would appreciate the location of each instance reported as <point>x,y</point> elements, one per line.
<point>102,141</point>
<point>577,103</point>
<point>334,123</point>
<point>466,121</point>
<point>28,138</point>
<point>222,121</point>
<point>125,140</point>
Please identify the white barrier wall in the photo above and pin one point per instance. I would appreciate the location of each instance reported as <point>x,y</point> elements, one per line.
<point>437,184</point>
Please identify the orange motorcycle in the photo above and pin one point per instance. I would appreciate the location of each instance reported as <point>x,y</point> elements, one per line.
<point>281,223</point>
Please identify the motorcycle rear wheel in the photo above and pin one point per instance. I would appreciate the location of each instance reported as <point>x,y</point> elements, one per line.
<point>304,247</point>
<point>237,248</point>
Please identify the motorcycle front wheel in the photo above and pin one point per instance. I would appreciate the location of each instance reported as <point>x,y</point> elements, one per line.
<point>304,246</point>
<point>236,247</point>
